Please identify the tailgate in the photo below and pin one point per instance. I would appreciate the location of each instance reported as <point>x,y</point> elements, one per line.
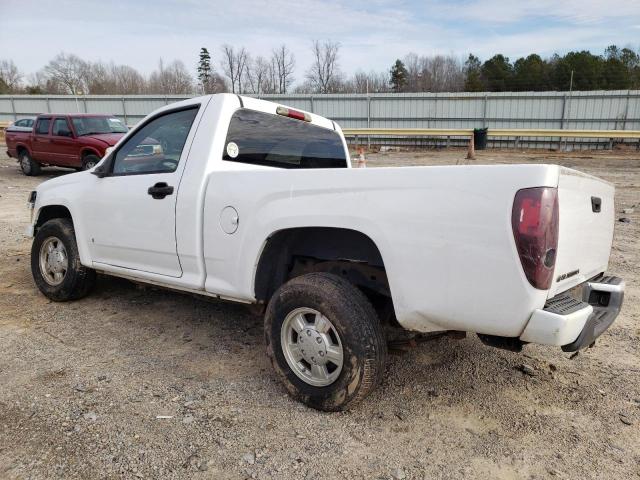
<point>585,228</point>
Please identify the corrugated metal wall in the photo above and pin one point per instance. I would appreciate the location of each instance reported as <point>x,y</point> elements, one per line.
<point>603,110</point>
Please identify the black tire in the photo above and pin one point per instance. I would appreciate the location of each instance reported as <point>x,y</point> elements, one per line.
<point>28,165</point>
<point>89,162</point>
<point>77,280</point>
<point>363,344</point>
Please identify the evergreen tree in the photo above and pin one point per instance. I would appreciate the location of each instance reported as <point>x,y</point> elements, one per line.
<point>617,74</point>
<point>472,70</point>
<point>398,76</point>
<point>497,73</point>
<point>531,74</point>
<point>204,70</point>
<point>631,61</point>
<point>588,71</point>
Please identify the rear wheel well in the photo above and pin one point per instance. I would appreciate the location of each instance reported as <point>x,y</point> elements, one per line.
<point>50,212</point>
<point>21,149</point>
<point>347,253</point>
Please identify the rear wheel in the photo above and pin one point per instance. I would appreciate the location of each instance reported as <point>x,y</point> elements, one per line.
<point>28,166</point>
<point>55,262</point>
<point>325,341</point>
<point>89,162</point>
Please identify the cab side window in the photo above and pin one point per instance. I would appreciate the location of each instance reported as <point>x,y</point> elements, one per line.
<point>156,147</point>
<point>42,128</point>
<point>61,128</point>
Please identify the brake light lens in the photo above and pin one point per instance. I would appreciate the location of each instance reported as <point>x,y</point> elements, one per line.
<point>288,112</point>
<point>534,221</point>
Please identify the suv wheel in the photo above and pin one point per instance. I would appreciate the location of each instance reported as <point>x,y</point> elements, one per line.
<point>55,262</point>
<point>89,162</point>
<point>28,166</point>
<point>325,341</point>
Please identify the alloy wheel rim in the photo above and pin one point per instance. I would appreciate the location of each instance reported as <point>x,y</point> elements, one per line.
<point>54,261</point>
<point>312,347</point>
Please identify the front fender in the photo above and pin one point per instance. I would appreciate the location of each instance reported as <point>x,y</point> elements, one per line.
<point>67,192</point>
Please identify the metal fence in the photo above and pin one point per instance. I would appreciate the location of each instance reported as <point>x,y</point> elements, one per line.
<point>602,110</point>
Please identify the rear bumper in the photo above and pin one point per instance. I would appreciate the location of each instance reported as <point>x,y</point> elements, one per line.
<point>574,323</point>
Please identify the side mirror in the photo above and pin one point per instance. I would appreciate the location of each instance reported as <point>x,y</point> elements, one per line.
<point>102,170</point>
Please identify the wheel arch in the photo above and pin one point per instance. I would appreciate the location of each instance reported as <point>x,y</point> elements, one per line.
<point>86,151</point>
<point>21,147</point>
<point>50,212</point>
<point>345,252</point>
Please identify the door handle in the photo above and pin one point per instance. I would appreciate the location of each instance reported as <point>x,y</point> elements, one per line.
<point>160,190</point>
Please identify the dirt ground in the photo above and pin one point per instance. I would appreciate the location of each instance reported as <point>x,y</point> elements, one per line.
<point>84,385</point>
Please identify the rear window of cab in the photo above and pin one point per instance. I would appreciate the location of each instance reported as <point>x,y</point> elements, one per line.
<point>260,138</point>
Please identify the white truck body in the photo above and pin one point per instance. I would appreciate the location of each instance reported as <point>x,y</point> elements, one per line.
<point>444,233</point>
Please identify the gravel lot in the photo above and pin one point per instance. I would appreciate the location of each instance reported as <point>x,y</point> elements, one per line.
<point>85,385</point>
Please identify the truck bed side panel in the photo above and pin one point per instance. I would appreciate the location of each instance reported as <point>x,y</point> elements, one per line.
<point>444,234</point>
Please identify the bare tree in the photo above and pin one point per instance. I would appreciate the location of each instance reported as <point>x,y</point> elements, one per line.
<point>259,76</point>
<point>434,74</point>
<point>10,75</point>
<point>234,65</point>
<point>324,74</point>
<point>67,74</point>
<point>283,63</point>
<point>114,79</point>
<point>128,80</point>
<point>98,79</point>
<point>172,79</point>
<point>372,82</point>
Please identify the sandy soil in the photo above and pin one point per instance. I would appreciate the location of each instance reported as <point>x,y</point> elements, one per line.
<point>82,384</point>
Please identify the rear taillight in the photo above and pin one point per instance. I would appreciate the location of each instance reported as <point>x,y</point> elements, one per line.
<point>535,228</point>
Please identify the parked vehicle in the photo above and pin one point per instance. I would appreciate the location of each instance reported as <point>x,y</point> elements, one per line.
<point>77,141</point>
<point>23,125</point>
<point>256,203</point>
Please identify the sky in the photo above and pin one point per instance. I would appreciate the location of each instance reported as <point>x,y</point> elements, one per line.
<point>372,33</point>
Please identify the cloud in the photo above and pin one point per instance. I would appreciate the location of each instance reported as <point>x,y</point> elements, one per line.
<point>373,33</point>
<point>571,11</point>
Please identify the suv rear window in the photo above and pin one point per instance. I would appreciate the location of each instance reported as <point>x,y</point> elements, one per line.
<point>275,141</point>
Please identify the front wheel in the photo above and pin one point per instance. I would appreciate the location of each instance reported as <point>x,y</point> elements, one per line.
<point>55,262</point>
<point>89,162</point>
<point>29,166</point>
<point>325,341</point>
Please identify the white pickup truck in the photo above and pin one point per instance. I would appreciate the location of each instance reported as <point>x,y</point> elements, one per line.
<point>245,200</point>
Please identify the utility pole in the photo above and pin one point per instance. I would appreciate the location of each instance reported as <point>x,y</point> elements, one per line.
<point>569,106</point>
<point>571,82</point>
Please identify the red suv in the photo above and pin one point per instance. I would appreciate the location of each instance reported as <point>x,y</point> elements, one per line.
<point>64,140</point>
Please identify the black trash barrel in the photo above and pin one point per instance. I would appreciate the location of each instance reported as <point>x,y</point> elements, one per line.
<point>480,138</point>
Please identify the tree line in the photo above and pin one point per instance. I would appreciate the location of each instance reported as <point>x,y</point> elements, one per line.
<point>237,70</point>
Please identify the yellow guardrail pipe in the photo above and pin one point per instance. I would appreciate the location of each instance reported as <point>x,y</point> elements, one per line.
<point>492,132</point>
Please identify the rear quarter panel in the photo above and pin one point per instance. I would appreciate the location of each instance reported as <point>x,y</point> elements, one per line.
<point>17,139</point>
<point>444,234</point>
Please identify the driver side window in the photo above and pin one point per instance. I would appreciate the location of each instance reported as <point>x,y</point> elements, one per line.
<point>156,147</point>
